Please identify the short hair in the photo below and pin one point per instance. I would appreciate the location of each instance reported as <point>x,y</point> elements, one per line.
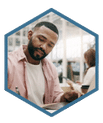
<point>48,25</point>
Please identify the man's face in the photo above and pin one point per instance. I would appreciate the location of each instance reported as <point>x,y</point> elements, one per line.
<point>42,42</point>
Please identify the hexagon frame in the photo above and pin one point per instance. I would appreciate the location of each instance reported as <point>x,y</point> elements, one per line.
<point>75,23</point>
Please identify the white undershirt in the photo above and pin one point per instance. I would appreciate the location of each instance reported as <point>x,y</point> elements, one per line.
<point>36,83</point>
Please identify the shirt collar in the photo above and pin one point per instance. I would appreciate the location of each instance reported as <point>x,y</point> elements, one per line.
<point>44,61</point>
<point>22,56</point>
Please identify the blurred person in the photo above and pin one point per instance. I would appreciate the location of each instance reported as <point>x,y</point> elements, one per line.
<point>61,73</point>
<point>70,71</point>
<point>30,72</point>
<point>89,57</point>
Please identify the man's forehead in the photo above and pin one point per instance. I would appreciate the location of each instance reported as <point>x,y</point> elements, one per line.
<point>43,30</point>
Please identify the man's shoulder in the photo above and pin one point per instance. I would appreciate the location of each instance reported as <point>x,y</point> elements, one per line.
<point>49,63</point>
<point>12,55</point>
<point>16,54</point>
<point>50,66</point>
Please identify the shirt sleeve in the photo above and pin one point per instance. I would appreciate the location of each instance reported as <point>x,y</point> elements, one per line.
<point>92,85</point>
<point>10,76</point>
<point>53,91</point>
<point>89,76</point>
<point>58,92</point>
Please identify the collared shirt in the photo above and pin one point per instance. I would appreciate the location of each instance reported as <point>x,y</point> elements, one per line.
<point>17,76</point>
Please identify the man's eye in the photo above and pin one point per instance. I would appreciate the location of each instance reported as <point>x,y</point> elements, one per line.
<point>41,39</point>
<point>49,45</point>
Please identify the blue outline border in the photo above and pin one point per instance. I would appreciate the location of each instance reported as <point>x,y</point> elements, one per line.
<point>27,23</point>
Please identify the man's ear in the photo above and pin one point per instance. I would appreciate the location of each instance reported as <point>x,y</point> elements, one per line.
<point>30,34</point>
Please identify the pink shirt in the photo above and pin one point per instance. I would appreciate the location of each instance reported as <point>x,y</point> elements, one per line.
<point>17,76</point>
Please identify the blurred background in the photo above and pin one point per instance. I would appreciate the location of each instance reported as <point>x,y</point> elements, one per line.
<point>67,55</point>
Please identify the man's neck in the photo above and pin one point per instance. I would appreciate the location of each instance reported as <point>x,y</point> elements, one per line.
<point>29,58</point>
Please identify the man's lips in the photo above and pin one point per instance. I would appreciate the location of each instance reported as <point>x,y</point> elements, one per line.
<point>39,52</point>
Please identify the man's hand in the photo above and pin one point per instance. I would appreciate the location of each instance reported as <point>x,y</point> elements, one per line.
<point>70,96</point>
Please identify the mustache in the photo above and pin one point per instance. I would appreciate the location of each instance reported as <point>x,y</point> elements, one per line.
<point>41,50</point>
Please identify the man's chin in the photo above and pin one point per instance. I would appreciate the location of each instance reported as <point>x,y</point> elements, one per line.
<point>38,58</point>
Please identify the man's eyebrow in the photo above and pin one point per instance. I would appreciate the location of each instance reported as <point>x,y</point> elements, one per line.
<point>52,43</point>
<point>43,36</point>
<point>46,38</point>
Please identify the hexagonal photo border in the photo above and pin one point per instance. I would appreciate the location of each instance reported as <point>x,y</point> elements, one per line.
<point>29,22</point>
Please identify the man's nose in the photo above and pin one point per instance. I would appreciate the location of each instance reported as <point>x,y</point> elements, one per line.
<point>43,46</point>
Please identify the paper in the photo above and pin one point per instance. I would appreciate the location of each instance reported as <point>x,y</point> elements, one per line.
<point>51,111</point>
<point>54,106</point>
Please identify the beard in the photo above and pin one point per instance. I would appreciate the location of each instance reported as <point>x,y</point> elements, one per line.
<point>32,50</point>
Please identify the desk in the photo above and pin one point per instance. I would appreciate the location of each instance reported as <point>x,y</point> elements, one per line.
<point>65,89</point>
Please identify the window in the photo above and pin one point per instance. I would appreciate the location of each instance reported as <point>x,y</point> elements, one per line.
<point>10,42</point>
<point>17,33</point>
<point>17,42</point>
<point>24,33</point>
<point>24,42</point>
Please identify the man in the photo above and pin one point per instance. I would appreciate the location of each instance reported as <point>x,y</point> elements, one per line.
<point>29,70</point>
